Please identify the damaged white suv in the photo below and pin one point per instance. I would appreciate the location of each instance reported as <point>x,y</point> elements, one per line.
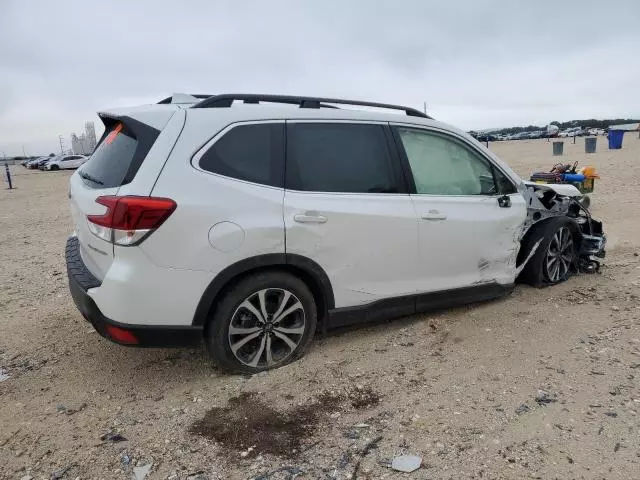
<point>247,221</point>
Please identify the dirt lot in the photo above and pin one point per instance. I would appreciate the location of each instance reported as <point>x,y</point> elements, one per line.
<point>458,388</point>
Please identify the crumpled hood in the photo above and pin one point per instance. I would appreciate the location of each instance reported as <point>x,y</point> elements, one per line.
<point>560,188</point>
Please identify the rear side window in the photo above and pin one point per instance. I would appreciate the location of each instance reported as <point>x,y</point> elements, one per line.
<point>119,155</point>
<point>339,157</point>
<point>253,153</point>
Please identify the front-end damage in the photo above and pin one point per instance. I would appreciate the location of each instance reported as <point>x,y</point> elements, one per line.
<point>545,201</point>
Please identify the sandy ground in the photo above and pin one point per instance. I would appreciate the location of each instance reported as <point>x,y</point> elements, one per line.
<point>457,388</point>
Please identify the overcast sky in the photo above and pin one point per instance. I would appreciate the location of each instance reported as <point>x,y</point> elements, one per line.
<point>477,64</point>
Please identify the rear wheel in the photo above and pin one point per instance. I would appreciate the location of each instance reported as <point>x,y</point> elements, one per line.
<point>55,167</point>
<point>555,259</point>
<point>265,321</point>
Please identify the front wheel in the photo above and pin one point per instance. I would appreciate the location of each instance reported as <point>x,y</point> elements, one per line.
<point>265,321</point>
<point>555,259</point>
<point>54,167</point>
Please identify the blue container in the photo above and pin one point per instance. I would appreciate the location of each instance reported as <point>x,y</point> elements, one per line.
<point>573,177</point>
<point>615,139</point>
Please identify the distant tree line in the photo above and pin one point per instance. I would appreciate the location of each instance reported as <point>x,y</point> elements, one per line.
<point>593,123</point>
<point>588,123</point>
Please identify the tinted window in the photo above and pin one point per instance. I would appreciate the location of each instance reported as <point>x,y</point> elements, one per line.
<point>444,166</point>
<point>110,163</point>
<point>248,152</point>
<point>332,157</point>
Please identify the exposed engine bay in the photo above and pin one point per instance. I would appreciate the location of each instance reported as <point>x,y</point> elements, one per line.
<point>546,201</point>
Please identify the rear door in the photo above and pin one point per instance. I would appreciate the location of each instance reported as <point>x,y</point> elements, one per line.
<point>346,208</point>
<point>470,214</point>
<point>229,178</point>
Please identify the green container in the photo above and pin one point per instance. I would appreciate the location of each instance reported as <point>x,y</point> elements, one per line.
<point>590,144</point>
<point>585,186</point>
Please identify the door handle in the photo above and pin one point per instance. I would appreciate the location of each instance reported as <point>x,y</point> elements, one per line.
<point>434,215</point>
<point>310,218</point>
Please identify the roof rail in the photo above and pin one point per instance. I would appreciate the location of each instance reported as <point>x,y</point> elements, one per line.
<point>170,99</point>
<point>226,99</point>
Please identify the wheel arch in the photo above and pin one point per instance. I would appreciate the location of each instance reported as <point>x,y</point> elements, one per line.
<point>312,274</point>
<point>527,242</point>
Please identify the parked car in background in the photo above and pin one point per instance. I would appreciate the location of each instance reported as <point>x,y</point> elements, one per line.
<point>552,131</point>
<point>66,162</point>
<point>35,162</point>
<point>484,137</point>
<point>569,132</point>
<point>536,134</point>
<point>270,220</point>
<point>42,162</point>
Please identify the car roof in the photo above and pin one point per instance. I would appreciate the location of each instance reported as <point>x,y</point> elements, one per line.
<point>246,107</point>
<point>157,115</point>
<point>239,112</point>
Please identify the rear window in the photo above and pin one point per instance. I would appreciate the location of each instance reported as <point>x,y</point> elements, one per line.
<point>253,153</point>
<point>119,155</point>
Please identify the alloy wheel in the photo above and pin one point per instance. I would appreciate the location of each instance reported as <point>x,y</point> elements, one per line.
<point>266,328</point>
<point>560,255</point>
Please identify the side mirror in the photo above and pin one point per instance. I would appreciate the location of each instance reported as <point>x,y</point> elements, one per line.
<point>504,201</point>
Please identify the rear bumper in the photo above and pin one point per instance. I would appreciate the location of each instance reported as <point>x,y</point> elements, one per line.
<point>81,280</point>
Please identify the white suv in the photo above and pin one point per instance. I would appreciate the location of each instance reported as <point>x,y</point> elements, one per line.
<point>247,221</point>
<point>66,162</point>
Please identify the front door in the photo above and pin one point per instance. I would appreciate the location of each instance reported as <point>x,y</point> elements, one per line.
<point>346,208</point>
<point>470,214</point>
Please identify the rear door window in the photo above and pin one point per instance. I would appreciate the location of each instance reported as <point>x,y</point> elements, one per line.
<point>119,155</point>
<point>339,157</point>
<point>253,153</point>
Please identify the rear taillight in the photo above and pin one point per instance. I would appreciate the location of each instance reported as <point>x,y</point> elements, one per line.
<point>129,220</point>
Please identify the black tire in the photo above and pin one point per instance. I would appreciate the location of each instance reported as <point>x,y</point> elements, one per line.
<point>55,167</point>
<point>537,272</point>
<point>230,310</point>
